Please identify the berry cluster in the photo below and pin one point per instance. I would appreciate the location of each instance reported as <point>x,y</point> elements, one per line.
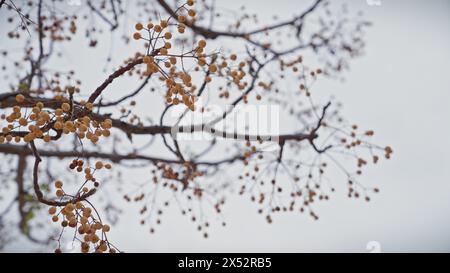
<point>39,122</point>
<point>78,214</point>
<point>161,59</point>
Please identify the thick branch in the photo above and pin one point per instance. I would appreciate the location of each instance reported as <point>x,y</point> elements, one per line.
<point>111,77</point>
<point>128,128</point>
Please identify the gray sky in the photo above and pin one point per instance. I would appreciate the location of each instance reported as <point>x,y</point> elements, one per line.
<point>400,88</point>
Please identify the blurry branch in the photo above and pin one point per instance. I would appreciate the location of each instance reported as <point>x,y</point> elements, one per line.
<point>24,19</point>
<point>213,34</point>
<point>21,166</point>
<point>114,24</point>
<point>21,201</point>
<point>318,125</point>
<point>36,64</point>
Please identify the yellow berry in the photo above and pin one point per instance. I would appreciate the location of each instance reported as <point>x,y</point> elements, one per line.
<point>87,212</point>
<point>202,43</point>
<point>23,122</point>
<point>213,68</point>
<point>20,98</point>
<point>58,112</point>
<point>163,51</point>
<point>73,223</point>
<point>99,165</point>
<point>58,184</point>
<point>66,107</point>
<point>47,138</point>
<point>168,35</point>
<point>138,26</point>
<point>136,36</point>
<point>148,59</point>
<point>52,210</point>
<point>59,193</point>
<point>105,228</point>
<point>191,12</point>
<point>70,207</point>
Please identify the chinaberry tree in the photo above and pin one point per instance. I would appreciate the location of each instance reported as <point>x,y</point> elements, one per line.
<point>62,143</point>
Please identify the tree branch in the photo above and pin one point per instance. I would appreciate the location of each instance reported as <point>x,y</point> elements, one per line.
<point>213,34</point>
<point>37,189</point>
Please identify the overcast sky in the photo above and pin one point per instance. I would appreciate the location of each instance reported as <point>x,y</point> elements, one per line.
<point>400,88</point>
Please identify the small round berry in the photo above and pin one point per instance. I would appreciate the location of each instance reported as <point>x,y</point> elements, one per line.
<point>52,210</point>
<point>168,35</point>
<point>181,19</point>
<point>105,228</point>
<point>89,106</point>
<point>66,107</point>
<point>47,138</point>
<point>58,184</point>
<point>191,12</point>
<point>73,223</point>
<point>213,68</point>
<point>23,122</point>
<point>138,26</point>
<point>59,193</point>
<point>70,207</point>
<point>20,98</point>
<point>163,51</point>
<point>202,43</point>
<point>87,212</point>
<point>147,59</point>
<point>99,165</point>
<point>136,36</point>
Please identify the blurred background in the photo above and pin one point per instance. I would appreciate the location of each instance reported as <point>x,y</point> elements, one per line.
<point>400,88</point>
